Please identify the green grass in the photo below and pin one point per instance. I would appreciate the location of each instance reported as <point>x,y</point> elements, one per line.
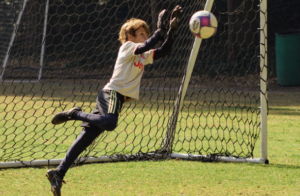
<point>170,177</point>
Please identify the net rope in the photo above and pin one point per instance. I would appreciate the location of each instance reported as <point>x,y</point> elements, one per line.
<point>220,115</point>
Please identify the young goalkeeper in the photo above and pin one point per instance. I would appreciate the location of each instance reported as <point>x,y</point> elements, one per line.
<point>124,85</point>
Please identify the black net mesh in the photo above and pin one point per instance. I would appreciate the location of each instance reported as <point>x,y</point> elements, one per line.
<point>59,55</point>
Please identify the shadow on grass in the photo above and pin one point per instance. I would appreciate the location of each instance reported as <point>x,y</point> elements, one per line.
<point>280,166</point>
<point>284,111</point>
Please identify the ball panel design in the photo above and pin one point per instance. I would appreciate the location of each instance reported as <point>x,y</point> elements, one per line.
<point>213,21</point>
<point>207,32</point>
<point>205,21</point>
<point>202,13</point>
<point>195,25</point>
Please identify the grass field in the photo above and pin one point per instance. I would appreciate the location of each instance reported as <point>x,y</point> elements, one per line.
<point>170,177</point>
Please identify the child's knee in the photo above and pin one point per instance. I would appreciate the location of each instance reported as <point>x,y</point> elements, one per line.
<point>111,125</point>
<point>111,122</point>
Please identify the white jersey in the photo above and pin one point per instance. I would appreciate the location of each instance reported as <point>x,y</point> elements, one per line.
<point>128,70</point>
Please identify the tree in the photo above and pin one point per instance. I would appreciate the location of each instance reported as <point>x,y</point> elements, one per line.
<point>154,11</point>
<point>243,20</point>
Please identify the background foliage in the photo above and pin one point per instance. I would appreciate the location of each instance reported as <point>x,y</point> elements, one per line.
<point>82,34</point>
<point>94,19</point>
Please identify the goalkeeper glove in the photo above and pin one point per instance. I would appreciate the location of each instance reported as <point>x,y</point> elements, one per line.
<point>162,23</point>
<point>175,20</point>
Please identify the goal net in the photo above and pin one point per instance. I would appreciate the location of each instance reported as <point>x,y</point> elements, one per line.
<point>59,54</point>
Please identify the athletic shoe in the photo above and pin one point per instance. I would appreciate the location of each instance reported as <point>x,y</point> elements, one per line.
<point>65,116</point>
<point>55,180</point>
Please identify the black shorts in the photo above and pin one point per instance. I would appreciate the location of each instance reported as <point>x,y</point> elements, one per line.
<point>107,102</point>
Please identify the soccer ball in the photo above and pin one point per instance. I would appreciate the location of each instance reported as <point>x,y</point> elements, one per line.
<point>203,24</point>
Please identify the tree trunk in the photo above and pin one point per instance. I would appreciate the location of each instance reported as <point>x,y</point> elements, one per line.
<point>231,31</point>
<point>242,25</point>
<point>155,8</point>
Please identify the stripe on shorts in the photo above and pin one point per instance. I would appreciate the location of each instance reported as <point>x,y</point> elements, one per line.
<point>112,102</point>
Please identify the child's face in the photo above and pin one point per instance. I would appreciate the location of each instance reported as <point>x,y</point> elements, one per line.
<point>140,36</point>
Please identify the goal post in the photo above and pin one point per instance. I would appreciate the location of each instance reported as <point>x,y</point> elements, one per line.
<point>12,39</point>
<point>263,93</point>
<point>43,40</point>
<point>192,59</point>
<point>263,80</point>
<point>14,34</point>
<point>183,88</point>
<point>206,101</point>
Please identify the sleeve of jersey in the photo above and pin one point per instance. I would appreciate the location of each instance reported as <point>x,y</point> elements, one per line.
<point>148,57</point>
<point>165,48</point>
<point>149,43</point>
<point>127,49</point>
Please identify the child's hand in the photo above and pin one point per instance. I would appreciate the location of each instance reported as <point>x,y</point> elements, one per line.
<point>162,22</point>
<point>175,17</point>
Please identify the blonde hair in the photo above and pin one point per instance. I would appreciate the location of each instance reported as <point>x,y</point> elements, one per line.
<point>130,27</point>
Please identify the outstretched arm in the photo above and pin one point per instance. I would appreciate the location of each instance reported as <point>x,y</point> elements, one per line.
<point>149,43</point>
<point>166,47</point>
<point>174,24</point>
<point>157,36</point>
